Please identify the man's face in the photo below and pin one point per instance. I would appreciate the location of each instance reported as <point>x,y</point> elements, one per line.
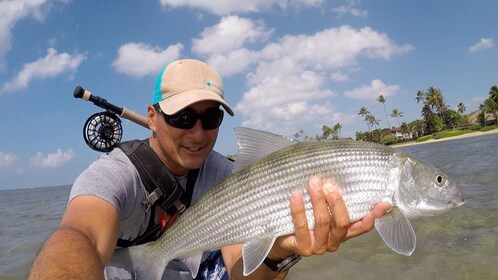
<point>183,149</point>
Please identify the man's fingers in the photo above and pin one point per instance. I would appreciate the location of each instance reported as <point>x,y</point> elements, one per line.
<point>321,214</point>
<point>340,217</point>
<point>302,233</point>
<point>367,223</point>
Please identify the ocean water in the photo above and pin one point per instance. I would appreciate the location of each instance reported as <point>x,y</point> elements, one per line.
<point>460,244</point>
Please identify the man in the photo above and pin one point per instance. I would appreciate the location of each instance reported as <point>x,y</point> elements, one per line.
<point>106,201</point>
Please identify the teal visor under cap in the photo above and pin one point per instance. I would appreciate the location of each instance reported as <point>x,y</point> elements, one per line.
<point>157,96</point>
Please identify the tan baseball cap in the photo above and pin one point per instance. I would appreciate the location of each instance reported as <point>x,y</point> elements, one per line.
<point>187,81</point>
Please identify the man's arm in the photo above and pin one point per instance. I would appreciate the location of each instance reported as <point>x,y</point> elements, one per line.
<point>331,229</point>
<point>82,244</point>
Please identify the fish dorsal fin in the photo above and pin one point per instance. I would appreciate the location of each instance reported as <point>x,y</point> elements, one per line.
<point>255,144</point>
<point>397,232</point>
<point>255,251</point>
<point>193,263</point>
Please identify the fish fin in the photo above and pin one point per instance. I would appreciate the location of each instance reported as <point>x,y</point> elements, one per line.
<point>397,232</point>
<point>255,251</point>
<point>132,259</point>
<point>255,144</point>
<point>193,263</point>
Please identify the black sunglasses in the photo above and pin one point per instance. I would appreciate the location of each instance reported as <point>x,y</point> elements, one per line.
<point>186,118</point>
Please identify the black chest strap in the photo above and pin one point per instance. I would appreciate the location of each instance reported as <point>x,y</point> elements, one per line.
<point>162,187</point>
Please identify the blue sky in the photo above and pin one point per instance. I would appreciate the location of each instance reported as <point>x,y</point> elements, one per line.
<point>286,65</point>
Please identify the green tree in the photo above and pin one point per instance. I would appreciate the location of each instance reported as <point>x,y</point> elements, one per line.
<point>490,107</point>
<point>364,113</point>
<point>418,126</point>
<point>382,100</point>
<point>434,124</point>
<point>433,106</point>
<point>301,136</point>
<point>404,129</point>
<point>493,93</point>
<point>396,114</point>
<point>372,120</point>
<point>420,96</point>
<point>452,118</point>
<point>435,100</point>
<point>330,133</point>
<point>461,108</point>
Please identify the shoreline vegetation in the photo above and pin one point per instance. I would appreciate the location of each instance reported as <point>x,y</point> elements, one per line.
<point>448,135</point>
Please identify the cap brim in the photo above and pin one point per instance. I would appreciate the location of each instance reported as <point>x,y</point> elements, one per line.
<point>182,100</point>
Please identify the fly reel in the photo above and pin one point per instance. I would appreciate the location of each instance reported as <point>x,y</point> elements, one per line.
<point>103,131</point>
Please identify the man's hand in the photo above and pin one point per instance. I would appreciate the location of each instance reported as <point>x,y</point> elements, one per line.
<point>331,227</point>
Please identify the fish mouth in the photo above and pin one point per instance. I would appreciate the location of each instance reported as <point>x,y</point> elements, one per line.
<point>453,204</point>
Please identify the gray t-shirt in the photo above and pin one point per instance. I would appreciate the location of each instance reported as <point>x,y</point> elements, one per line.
<point>115,179</point>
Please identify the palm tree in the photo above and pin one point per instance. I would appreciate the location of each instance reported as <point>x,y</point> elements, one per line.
<point>382,100</point>
<point>461,108</point>
<point>434,108</point>
<point>364,113</point>
<point>434,98</point>
<point>337,128</point>
<point>491,107</point>
<point>493,93</point>
<point>372,120</point>
<point>420,96</point>
<point>329,133</point>
<point>396,114</point>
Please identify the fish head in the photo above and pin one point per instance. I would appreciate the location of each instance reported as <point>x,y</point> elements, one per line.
<point>425,191</point>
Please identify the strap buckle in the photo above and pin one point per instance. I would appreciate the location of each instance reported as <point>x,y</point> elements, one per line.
<point>152,198</point>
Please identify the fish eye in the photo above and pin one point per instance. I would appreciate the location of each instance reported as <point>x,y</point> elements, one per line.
<point>439,178</point>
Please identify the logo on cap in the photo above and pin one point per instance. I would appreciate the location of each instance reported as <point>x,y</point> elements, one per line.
<point>211,84</point>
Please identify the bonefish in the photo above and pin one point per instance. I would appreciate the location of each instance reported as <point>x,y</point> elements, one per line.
<point>252,206</point>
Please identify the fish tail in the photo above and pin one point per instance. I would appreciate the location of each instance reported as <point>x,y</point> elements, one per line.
<point>133,259</point>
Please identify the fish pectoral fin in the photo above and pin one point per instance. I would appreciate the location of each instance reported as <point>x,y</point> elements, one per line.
<point>193,263</point>
<point>397,232</point>
<point>255,251</point>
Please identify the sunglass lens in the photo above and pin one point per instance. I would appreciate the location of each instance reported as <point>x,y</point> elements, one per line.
<point>187,118</point>
<point>212,118</point>
<point>184,119</point>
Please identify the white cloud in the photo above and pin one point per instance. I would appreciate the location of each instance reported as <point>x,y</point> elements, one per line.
<point>350,9</point>
<point>287,98</point>
<point>7,159</point>
<point>139,59</point>
<point>227,7</point>
<point>485,43</point>
<point>335,48</point>
<point>51,65</point>
<point>224,43</point>
<point>229,34</point>
<point>12,11</point>
<point>372,91</point>
<point>234,62</point>
<point>289,85</point>
<point>338,77</point>
<point>52,160</point>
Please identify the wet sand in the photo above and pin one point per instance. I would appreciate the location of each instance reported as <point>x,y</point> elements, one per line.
<point>467,135</point>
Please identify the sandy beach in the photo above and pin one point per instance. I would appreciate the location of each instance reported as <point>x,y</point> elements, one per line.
<point>472,134</point>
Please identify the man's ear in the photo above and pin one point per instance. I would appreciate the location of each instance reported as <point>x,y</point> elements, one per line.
<point>152,117</point>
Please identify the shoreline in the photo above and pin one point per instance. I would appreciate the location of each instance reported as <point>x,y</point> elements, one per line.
<point>467,135</point>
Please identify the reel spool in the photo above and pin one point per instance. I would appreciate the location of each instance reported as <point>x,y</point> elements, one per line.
<point>103,131</point>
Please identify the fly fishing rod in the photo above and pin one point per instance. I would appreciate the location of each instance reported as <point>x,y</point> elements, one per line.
<point>103,131</point>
